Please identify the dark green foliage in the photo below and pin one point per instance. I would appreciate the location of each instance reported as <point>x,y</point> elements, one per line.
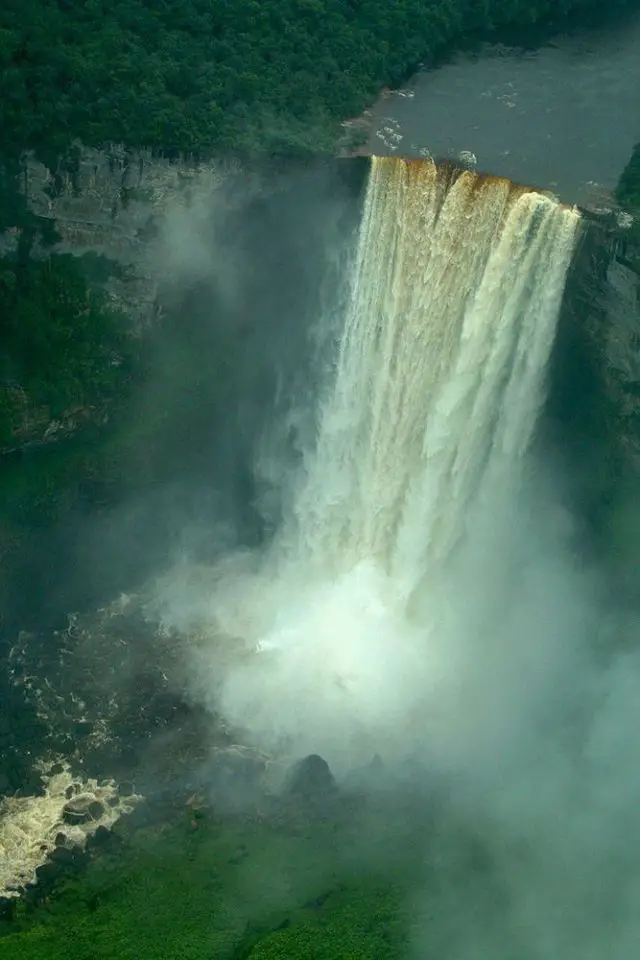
<point>62,346</point>
<point>178,893</point>
<point>358,924</point>
<point>235,75</point>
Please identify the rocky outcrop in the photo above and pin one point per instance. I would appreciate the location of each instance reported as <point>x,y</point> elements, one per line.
<point>112,202</point>
<point>596,382</point>
<point>236,776</point>
<point>614,327</point>
<point>56,822</point>
<point>310,778</point>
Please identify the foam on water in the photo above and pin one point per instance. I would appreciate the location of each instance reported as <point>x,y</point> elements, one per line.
<point>29,825</point>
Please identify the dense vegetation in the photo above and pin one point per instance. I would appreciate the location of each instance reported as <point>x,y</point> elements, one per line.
<point>174,893</point>
<point>226,75</point>
<point>62,345</point>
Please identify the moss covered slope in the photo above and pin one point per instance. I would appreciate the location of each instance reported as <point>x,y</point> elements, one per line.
<point>225,890</point>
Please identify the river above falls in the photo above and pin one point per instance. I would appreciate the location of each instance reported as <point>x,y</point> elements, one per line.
<point>561,114</point>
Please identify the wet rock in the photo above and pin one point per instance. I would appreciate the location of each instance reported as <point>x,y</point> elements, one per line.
<point>100,837</point>
<point>310,779</point>
<point>36,894</point>
<point>375,767</point>
<point>96,810</point>
<point>31,785</point>
<point>7,908</point>
<point>63,857</point>
<point>47,872</point>
<point>60,839</point>
<point>125,788</point>
<point>82,728</point>
<point>123,829</point>
<point>82,809</point>
<point>274,776</point>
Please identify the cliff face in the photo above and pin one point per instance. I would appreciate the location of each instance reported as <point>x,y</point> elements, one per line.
<point>597,361</point>
<point>613,328</point>
<point>113,203</point>
<point>619,341</point>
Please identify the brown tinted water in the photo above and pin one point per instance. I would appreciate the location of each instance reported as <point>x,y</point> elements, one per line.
<point>562,117</point>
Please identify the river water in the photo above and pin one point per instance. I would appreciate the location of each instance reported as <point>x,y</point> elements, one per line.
<point>562,114</point>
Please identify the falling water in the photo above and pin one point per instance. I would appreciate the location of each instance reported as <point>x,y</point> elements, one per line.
<point>442,363</point>
<point>439,378</point>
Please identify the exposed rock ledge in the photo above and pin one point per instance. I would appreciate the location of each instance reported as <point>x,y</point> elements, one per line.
<point>112,202</point>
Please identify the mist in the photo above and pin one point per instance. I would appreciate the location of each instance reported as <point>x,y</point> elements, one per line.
<point>540,762</point>
<point>509,681</point>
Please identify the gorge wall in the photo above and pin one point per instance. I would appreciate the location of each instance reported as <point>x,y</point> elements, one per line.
<point>115,203</point>
<point>597,363</point>
<point>112,203</point>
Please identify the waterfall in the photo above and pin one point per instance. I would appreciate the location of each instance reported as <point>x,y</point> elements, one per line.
<point>441,366</point>
<point>345,627</point>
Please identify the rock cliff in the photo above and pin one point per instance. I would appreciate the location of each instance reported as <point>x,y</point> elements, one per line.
<point>597,360</point>
<point>112,202</point>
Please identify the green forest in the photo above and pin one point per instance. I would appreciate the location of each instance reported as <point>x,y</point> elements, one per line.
<point>229,75</point>
<point>201,77</point>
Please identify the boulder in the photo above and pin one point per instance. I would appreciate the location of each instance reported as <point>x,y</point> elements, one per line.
<point>310,779</point>
<point>63,856</point>
<point>101,837</point>
<point>82,809</point>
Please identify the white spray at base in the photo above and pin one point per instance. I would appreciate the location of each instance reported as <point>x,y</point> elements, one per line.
<point>345,635</point>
